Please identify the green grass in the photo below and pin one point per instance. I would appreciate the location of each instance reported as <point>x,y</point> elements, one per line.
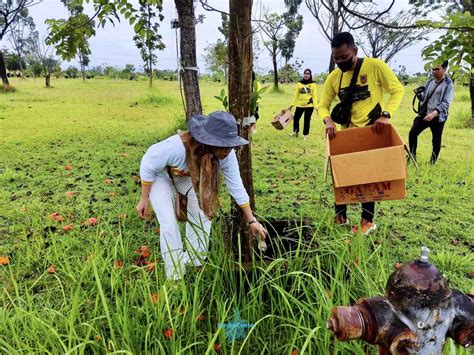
<point>102,128</point>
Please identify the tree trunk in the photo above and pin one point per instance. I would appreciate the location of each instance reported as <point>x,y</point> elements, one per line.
<point>48,80</point>
<point>240,93</point>
<point>275,70</point>
<point>150,69</point>
<point>189,71</point>
<point>471,91</point>
<point>335,31</point>
<point>3,70</point>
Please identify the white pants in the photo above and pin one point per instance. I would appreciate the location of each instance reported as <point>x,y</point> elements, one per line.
<point>162,198</point>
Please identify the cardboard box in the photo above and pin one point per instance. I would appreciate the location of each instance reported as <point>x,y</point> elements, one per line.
<point>367,166</point>
<point>282,119</point>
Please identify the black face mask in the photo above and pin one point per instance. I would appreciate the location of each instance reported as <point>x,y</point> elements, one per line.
<point>346,65</point>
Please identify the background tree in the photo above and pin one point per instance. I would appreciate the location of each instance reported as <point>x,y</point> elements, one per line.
<point>43,56</point>
<point>333,18</point>
<point>13,62</point>
<point>216,57</point>
<point>147,39</point>
<point>384,42</point>
<point>10,12</point>
<point>294,24</point>
<point>19,32</point>
<point>72,72</point>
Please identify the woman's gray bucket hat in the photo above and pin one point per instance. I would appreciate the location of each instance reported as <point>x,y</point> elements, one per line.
<point>219,129</point>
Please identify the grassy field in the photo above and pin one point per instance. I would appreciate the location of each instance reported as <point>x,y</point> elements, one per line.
<point>69,162</point>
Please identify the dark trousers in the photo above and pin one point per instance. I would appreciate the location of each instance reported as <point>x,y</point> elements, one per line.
<point>419,125</point>
<point>308,111</point>
<point>368,209</point>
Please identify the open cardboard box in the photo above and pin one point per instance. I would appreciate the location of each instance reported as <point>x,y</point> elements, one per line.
<point>367,166</point>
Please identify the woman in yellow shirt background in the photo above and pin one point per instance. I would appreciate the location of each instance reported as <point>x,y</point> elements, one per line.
<point>306,100</point>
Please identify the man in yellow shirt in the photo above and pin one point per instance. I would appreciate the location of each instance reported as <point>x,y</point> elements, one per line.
<point>368,107</point>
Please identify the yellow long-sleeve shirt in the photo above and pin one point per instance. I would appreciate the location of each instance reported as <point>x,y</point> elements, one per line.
<point>375,77</point>
<point>305,95</point>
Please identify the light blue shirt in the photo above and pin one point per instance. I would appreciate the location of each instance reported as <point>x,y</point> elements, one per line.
<point>171,152</point>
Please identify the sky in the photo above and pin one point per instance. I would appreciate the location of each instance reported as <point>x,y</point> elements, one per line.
<point>113,45</point>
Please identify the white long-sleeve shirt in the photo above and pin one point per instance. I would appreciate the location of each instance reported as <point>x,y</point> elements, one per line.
<point>171,152</point>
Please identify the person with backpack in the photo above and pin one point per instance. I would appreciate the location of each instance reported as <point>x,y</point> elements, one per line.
<point>360,84</point>
<point>435,98</point>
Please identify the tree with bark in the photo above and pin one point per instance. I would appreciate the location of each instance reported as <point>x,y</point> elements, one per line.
<point>384,42</point>
<point>18,35</point>
<point>189,70</point>
<point>10,12</point>
<point>240,95</point>
<point>147,38</point>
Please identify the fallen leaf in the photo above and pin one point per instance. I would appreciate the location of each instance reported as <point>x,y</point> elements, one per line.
<point>201,317</point>
<point>68,228</point>
<point>356,262</point>
<point>113,194</point>
<point>136,178</point>
<point>122,216</point>
<point>70,194</point>
<point>108,182</point>
<point>182,310</point>
<point>168,333</point>
<point>52,269</point>
<point>56,217</point>
<point>68,167</point>
<point>157,230</point>
<point>397,266</point>
<point>154,297</point>
<point>97,338</point>
<point>123,155</point>
<point>4,260</point>
<point>329,293</point>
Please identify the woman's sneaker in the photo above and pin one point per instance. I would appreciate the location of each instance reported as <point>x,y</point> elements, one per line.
<point>365,228</point>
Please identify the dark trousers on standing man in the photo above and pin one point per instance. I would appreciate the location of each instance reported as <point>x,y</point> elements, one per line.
<point>368,209</point>
<point>419,125</point>
<point>308,111</point>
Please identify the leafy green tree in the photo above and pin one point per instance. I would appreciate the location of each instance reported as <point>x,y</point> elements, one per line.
<point>18,35</point>
<point>72,72</point>
<point>43,56</point>
<point>216,57</point>
<point>14,62</point>
<point>147,39</point>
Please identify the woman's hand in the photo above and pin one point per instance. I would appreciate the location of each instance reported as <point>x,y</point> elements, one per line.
<point>257,229</point>
<point>142,208</point>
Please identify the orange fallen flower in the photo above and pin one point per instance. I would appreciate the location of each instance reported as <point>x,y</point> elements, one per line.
<point>68,167</point>
<point>56,217</point>
<point>201,317</point>
<point>52,269</point>
<point>154,297</point>
<point>108,182</point>
<point>356,262</point>
<point>143,251</point>
<point>397,266</point>
<point>68,228</point>
<point>150,266</point>
<point>122,216</point>
<point>92,221</point>
<point>113,194</point>
<point>168,333</point>
<point>119,263</point>
<point>217,347</point>
<point>294,352</point>
<point>4,260</point>
<point>70,194</point>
